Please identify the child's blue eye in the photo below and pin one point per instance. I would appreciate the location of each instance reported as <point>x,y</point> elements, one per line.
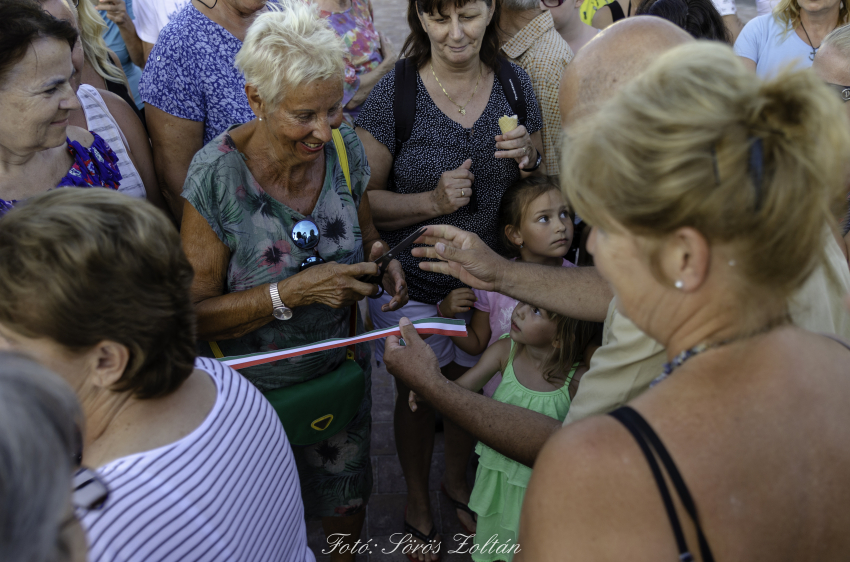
<point>543,218</point>
<point>564,214</point>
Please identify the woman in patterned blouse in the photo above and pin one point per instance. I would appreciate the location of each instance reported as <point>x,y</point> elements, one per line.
<point>269,215</point>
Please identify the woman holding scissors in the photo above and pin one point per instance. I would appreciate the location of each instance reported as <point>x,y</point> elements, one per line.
<point>276,226</point>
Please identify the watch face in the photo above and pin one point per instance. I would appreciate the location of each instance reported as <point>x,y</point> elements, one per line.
<point>282,313</point>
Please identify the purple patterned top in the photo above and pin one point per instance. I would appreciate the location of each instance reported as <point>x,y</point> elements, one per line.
<point>94,166</point>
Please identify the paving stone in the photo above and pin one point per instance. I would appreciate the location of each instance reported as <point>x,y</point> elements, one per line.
<point>383,439</point>
<point>390,479</point>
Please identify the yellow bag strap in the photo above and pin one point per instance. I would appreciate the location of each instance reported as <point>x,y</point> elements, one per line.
<point>342,155</point>
<point>339,144</point>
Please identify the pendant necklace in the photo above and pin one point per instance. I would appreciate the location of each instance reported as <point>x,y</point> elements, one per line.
<point>814,49</point>
<point>460,108</point>
<point>699,348</point>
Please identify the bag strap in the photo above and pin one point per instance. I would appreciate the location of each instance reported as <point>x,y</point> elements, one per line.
<point>512,87</point>
<point>404,103</point>
<point>342,155</point>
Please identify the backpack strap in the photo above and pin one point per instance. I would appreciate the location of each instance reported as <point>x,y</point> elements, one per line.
<point>513,90</point>
<point>404,104</point>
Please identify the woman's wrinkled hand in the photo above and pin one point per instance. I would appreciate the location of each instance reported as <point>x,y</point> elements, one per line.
<point>456,302</point>
<point>453,190</point>
<point>394,283</point>
<point>517,144</point>
<point>333,284</point>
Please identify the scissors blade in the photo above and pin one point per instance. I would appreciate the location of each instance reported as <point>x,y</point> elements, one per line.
<point>384,261</point>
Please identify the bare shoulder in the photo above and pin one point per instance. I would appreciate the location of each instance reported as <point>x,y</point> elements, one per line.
<point>591,494</point>
<point>120,109</point>
<point>80,135</point>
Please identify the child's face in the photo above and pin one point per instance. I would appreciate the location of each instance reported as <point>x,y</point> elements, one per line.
<point>532,326</point>
<point>546,229</point>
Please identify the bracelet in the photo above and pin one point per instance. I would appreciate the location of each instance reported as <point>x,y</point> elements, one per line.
<point>537,164</point>
<point>440,312</point>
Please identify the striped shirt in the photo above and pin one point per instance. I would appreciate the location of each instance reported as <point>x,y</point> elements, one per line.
<point>99,120</point>
<point>544,55</point>
<point>228,491</point>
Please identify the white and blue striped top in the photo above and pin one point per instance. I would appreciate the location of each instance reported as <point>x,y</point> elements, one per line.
<point>228,491</point>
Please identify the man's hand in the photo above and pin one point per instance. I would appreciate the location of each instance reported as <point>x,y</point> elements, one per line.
<point>464,256</point>
<point>414,363</point>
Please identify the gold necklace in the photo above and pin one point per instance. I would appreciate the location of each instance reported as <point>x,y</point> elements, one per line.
<point>460,108</point>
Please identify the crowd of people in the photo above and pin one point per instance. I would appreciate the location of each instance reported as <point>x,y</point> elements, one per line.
<point>642,223</point>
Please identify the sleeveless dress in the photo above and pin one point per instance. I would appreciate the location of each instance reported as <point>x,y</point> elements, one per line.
<point>100,121</point>
<point>500,482</point>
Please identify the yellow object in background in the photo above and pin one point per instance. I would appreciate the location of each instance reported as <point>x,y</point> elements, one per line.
<point>589,7</point>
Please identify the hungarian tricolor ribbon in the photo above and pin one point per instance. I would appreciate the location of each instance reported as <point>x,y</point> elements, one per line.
<point>441,326</point>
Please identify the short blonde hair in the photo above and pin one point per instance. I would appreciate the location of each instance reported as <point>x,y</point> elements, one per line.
<point>288,46</point>
<point>80,266</point>
<point>787,12</point>
<point>679,147</point>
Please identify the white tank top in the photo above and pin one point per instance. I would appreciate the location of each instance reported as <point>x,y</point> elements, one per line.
<point>100,121</point>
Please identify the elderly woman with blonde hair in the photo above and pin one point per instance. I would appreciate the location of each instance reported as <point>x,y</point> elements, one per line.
<point>277,225</point>
<point>710,215</point>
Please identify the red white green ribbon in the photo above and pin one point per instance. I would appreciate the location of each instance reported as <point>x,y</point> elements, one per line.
<point>441,326</point>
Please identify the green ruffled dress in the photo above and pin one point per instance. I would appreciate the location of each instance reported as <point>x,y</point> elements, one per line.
<point>500,482</point>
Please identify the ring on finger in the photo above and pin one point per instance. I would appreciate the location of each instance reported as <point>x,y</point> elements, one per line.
<point>461,193</point>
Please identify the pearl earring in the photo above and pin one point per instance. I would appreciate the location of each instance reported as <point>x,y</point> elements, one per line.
<point>260,118</point>
<point>679,284</point>
<point>731,263</point>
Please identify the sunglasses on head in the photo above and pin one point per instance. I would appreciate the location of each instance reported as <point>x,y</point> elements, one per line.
<point>843,91</point>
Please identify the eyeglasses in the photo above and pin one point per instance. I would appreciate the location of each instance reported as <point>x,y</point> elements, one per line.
<point>88,491</point>
<point>843,91</point>
<point>552,3</point>
<point>305,235</point>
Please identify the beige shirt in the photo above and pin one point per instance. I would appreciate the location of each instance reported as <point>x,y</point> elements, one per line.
<point>629,359</point>
<point>544,55</point>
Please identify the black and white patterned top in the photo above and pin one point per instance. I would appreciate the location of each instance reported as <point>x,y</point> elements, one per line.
<point>438,144</point>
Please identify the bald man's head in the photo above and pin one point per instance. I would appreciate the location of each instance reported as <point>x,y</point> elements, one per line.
<point>613,58</point>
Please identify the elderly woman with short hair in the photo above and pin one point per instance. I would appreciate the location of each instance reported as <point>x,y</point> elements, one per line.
<point>94,285</point>
<point>277,237</point>
<point>38,448</point>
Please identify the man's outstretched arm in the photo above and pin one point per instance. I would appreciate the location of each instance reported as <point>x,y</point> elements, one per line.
<point>515,432</point>
<point>577,292</point>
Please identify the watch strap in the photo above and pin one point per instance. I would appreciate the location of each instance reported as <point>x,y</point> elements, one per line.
<point>536,164</point>
<point>276,302</point>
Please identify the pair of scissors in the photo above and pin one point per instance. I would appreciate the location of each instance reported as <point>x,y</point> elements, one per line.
<point>384,261</point>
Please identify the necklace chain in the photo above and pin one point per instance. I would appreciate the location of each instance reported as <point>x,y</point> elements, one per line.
<point>814,49</point>
<point>680,359</point>
<point>460,108</point>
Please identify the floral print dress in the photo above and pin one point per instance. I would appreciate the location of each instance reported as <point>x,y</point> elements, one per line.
<point>335,474</point>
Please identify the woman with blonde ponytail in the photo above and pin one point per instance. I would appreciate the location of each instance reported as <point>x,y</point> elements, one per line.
<point>709,192</point>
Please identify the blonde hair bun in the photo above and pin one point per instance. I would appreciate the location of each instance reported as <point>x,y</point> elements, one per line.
<point>698,140</point>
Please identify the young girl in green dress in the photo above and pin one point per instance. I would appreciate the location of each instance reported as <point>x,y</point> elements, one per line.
<point>541,361</point>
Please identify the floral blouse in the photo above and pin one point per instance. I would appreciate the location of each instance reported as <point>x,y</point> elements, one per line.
<point>94,166</point>
<point>257,230</point>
